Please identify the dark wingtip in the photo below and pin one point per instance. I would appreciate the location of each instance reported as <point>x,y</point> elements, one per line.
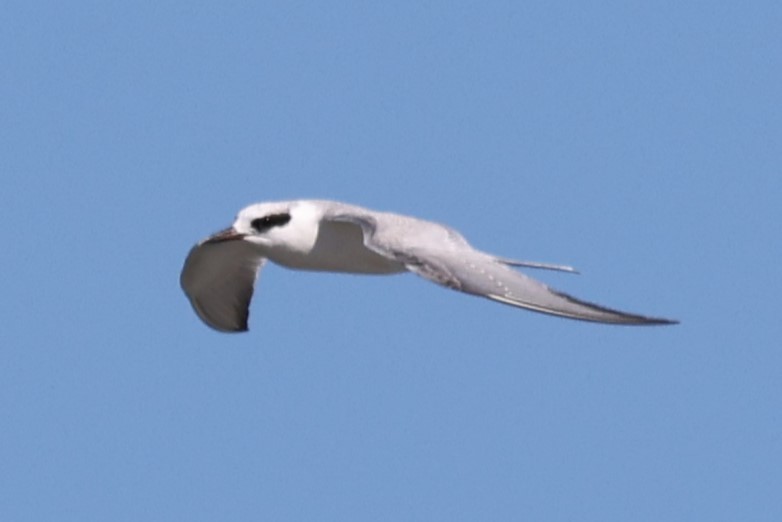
<point>213,322</point>
<point>235,331</point>
<point>622,318</point>
<point>648,321</point>
<point>663,322</point>
<point>228,329</point>
<point>240,327</point>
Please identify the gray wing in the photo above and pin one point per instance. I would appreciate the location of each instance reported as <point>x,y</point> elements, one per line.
<point>218,279</point>
<point>442,255</point>
<point>496,281</point>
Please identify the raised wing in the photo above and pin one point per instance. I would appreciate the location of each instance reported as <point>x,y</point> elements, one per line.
<point>443,256</point>
<point>218,278</point>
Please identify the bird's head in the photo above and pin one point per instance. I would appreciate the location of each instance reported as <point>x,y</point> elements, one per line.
<point>277,225</point>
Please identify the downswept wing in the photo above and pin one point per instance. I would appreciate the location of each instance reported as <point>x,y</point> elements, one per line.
<point>504,285</point>
<point>456,265</point>
<point>218,279</point>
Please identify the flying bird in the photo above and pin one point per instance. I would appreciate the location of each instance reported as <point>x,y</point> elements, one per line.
<point>219,273</point>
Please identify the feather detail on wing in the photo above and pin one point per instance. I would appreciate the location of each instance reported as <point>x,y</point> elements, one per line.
<point>479,275</point>
<point>443,256</point>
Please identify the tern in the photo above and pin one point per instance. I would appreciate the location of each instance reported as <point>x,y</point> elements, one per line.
<point>220,272</point>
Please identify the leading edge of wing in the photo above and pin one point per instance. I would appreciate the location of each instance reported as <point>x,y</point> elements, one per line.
<point>574,308</point>
<point>479,274</point>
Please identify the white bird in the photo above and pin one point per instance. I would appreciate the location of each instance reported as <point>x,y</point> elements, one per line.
<point>220,272</point>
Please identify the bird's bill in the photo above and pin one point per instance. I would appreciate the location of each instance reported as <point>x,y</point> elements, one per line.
<point>228,234</point>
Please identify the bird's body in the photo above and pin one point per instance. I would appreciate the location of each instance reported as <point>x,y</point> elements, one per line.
<point>329,246</point>
<point>220,272</point>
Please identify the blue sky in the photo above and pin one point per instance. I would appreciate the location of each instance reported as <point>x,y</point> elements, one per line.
<point>640,142</point>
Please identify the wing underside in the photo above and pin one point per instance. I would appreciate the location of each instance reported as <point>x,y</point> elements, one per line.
<point>218,279</point>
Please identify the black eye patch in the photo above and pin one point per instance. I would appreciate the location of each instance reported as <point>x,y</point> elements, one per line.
<point>264,223</point>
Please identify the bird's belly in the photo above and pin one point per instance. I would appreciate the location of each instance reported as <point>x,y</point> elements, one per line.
<point>337,247</point>
<point>350,260</point>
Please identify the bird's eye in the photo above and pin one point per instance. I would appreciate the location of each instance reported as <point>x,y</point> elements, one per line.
<point>264,223</point>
